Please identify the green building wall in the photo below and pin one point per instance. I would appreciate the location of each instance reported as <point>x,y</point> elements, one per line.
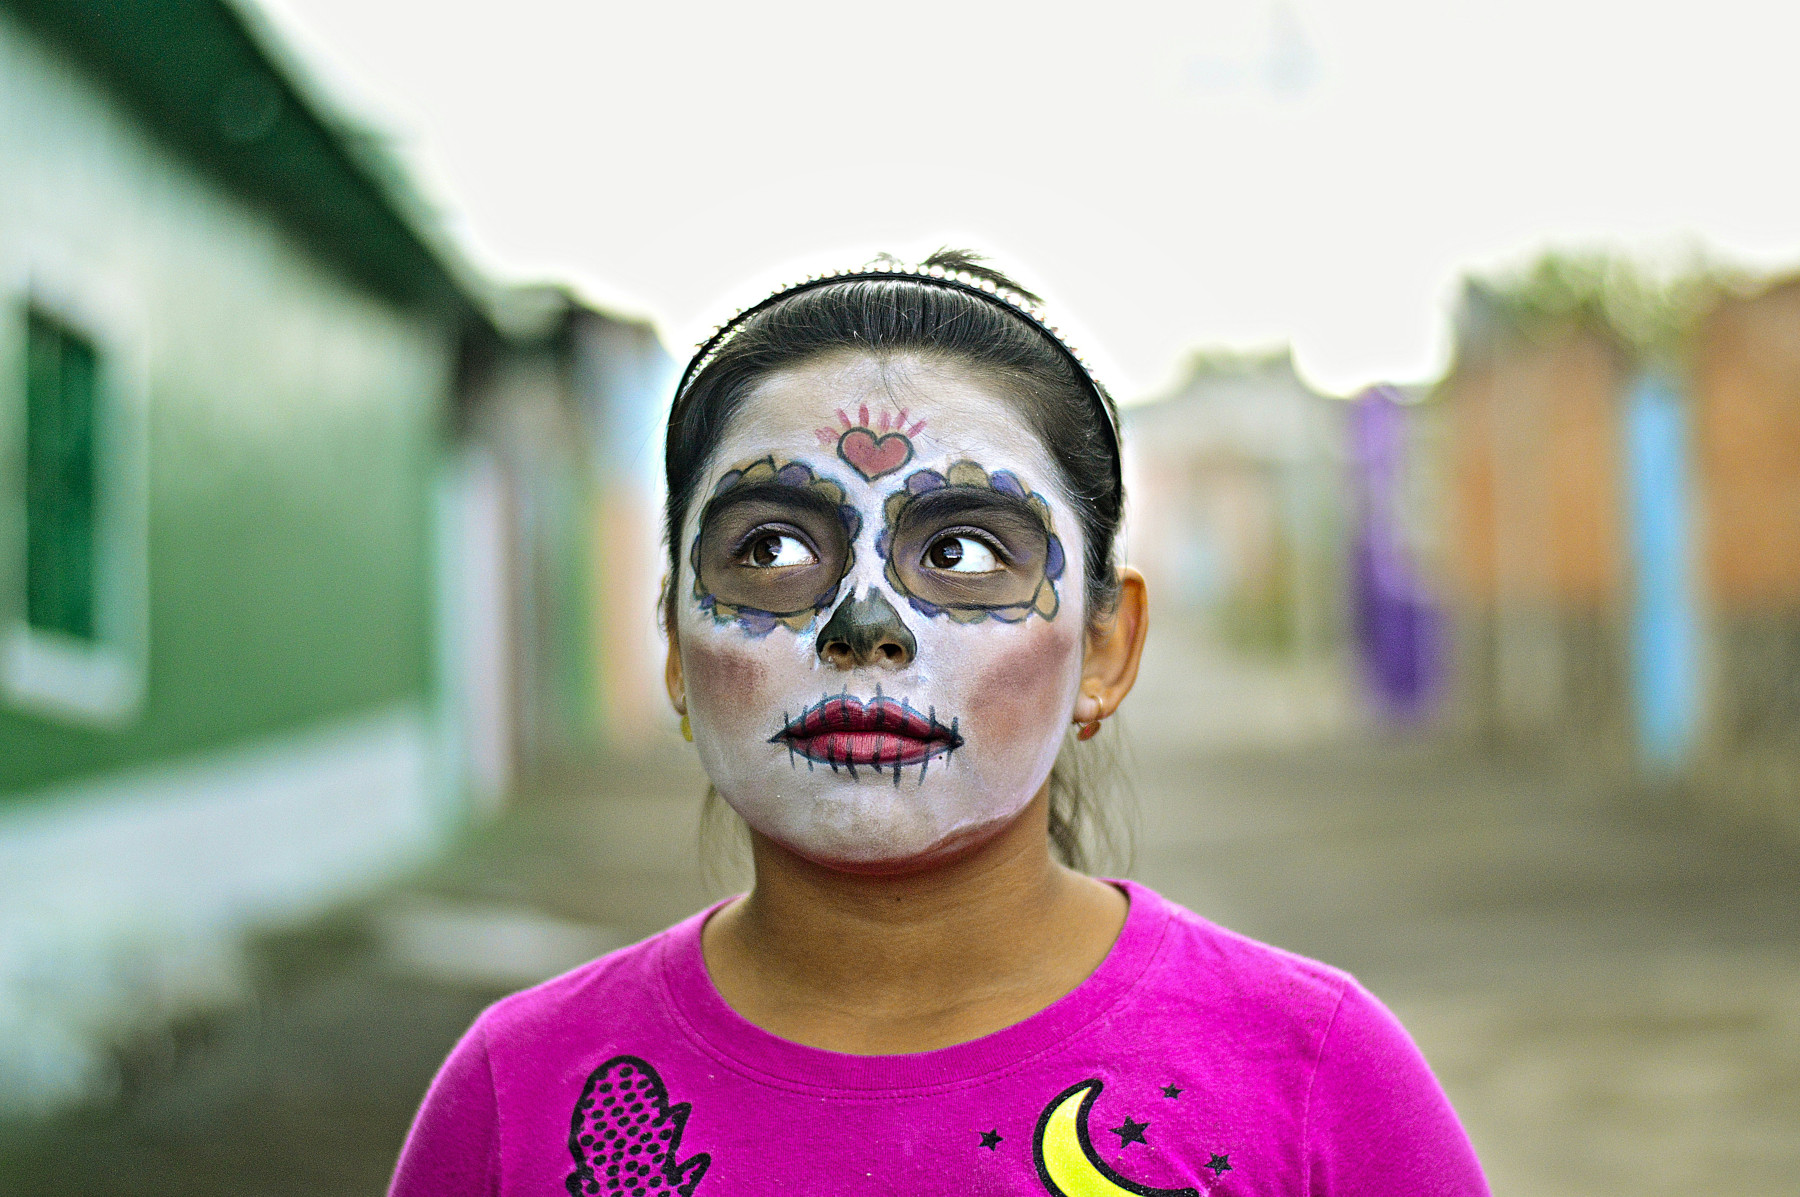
<point>290,425</point>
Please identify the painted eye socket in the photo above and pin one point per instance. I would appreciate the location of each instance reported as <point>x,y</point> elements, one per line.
<point>961,554</point>
<point>774,550</point>
<point>968,549</point>
<point>779,550</point>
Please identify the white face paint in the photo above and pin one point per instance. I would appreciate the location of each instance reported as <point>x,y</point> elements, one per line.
<point>880,612</point>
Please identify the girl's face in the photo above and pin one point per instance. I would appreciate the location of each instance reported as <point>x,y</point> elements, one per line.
<point>880,612</point>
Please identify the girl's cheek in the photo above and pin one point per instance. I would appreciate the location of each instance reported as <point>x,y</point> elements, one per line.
<point>1021,680</point>
<point>732,677</point>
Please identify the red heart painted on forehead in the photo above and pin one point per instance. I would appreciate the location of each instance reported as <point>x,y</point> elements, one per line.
<point>874,455</point>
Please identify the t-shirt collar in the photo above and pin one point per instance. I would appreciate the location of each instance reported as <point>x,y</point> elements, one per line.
<point>726,1035</point>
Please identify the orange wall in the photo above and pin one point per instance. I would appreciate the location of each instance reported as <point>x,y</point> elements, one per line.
<point>1747,421</point>
<point>1535,473</point>
<point>1470,547</point>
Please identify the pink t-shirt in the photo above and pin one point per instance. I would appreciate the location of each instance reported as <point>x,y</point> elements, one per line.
<point>1192,1061</point>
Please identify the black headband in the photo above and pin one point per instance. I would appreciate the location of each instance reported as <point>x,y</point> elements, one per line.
<point>1008,300</point>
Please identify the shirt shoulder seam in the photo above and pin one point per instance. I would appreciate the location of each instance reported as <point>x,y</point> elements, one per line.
<point>497,1157</point>
<point>1311,1082</point>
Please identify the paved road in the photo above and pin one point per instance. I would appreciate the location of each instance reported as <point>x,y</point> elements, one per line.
<point>1611,994</point>
<point>1609,986</point>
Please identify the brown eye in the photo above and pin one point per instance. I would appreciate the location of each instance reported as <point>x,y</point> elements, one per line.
<point>777,549</point>
<point>961,554</point>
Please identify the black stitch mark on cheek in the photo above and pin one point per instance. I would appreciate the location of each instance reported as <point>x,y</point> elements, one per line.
<point>625,1136</point>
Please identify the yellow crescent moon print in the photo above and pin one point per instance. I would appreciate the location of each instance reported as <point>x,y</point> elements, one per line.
<point>1066,1160</point>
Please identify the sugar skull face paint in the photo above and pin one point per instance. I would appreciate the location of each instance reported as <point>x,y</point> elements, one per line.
<point>878,663</point>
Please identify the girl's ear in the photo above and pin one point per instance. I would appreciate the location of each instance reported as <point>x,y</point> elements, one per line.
<point>672,676</point>
<point>1110,666</point>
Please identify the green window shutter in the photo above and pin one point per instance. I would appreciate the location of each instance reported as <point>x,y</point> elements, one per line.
<point>60,400</point>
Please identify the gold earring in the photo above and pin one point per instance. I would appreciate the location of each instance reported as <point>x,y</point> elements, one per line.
<point>687,730</point>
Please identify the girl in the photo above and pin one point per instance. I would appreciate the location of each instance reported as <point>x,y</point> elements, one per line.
<point>894,496</point>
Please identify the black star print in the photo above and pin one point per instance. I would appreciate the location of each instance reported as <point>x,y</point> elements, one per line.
<point>990,1139</point>
<point>1131,1132</point>
<point>1219,1165</point>
<point>1170,1091</point>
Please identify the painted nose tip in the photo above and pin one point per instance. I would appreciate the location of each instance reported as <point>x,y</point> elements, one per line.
<point>865,632</point>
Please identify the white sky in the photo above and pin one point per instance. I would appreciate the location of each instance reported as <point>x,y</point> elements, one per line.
<point>1211,173</point>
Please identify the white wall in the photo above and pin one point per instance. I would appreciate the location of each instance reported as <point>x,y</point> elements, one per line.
<point>126,900</point>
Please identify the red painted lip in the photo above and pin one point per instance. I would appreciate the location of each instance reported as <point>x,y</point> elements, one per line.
<point>842,730</point>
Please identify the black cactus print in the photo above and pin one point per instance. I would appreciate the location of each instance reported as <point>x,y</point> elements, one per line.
<point>625,1136</point>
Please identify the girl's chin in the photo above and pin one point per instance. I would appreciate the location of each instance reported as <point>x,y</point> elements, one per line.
<point>883,852</point>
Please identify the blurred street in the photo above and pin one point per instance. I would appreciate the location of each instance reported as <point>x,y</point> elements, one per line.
<point>1608,986</point>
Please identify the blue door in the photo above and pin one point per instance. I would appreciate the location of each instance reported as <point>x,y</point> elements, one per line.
<point>1660,526</point>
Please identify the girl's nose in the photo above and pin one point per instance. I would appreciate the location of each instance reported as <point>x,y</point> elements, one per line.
<point>866,631</point>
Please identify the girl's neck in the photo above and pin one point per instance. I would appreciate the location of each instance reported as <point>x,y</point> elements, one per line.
<point>882,964</point>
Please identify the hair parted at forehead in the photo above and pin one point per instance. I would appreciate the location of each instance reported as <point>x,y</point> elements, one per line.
<point>952,305</point>
<point>956,269</point>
